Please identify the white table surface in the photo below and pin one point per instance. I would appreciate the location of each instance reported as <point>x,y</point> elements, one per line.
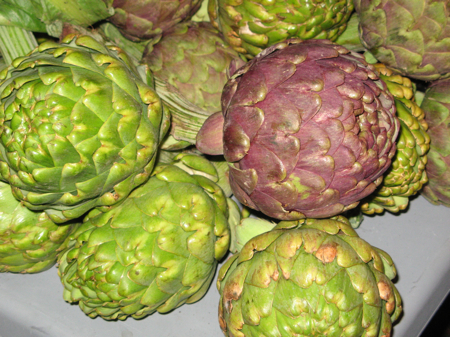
<point>418,241</point>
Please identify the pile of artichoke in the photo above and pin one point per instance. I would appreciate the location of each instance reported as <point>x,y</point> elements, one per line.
<point>145,143</point>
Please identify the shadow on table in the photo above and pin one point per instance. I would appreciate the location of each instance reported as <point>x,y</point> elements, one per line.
<point>439,325</point>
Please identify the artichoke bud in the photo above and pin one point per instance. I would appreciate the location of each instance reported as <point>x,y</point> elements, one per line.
<point>191,63</point>
<point>319,278</point>
<point>79,127</point>
<point>252,27</point>
<point>143,20</point>
<point>29,241</point>
<point>436,105</point>
<point>155,251</point>
<point>309,129</point>
<point>407,174</point>
<point>399,36</point>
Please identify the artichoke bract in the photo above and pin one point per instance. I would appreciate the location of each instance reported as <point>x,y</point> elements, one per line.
<point>29,241</point>
<point>143,20</point>
<point>413,37</point>
<point>154,252</point>
<point>407,174</point>
<point>309,129</point>
<point>251,26</point>
<point>190,65</point>
<point>315,279</point>
<point>79,127</point>
<point>436,105</point>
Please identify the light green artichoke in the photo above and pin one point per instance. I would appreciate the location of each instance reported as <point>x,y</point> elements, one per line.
<point>154,252</point>
<point>190,64</point>
<point>413,37</point>
<point>48,16</point>
<point>79,127</point>
<point>249,26</point>
<point>311,278</point>
<point>29,241</point>
<point>407,174</point>
<point>436,105</point>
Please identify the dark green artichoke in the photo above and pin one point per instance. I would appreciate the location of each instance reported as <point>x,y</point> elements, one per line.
<point>413,37</point>
<point>79,128</point>
<point>309,129</point>
<point>154,252</point>
<point>147,19</point>
<point>29,241</point>
<point>317,278</point>
<point>190,65</point>
<point>436,105</point>
<point>249,26</point>
<point>407,174</point>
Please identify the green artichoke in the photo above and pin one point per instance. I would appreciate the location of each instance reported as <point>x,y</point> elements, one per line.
<point>79,128</point>
<point>309,129</point>
<point>154,252</point>
<point>147,19</point>
<point>251,26</point>
<point>317,278</point>
<point>436,105</point>
<point>407,174</point>
<point>190,65</point>
<point>412,37</point>
<point>29,241</point>
<point>49,16</point>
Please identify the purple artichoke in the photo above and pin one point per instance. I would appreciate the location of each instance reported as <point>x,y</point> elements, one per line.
<point>436,105</point>
<point>309,129</point>
<point>146,19</point>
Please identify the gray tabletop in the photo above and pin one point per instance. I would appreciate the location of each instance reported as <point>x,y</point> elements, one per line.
<point>418,241</point>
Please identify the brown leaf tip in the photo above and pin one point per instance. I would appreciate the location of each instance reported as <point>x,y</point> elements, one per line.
<point>326,253</point>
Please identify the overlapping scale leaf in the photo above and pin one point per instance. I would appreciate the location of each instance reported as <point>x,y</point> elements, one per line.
<point>309,129</point>
<point>407,174</point>
<point>413,37</point>
<point>154,252</point>
<point>143,20</point>
<point>191,64</point>
<point>436,105</point>
<point>29,241</point>
<point>79,127</point>
<point>251,26</point>
<point>318,279</point>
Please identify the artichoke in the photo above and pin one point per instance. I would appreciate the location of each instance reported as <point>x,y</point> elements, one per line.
<point>315,279</point>
<point>309,129</point>
<point>154,252</point>
<point>79,128</point>
<point>29,241</point>
<point>249,26</point>
<point>147,19</point>
<point>413,37</point>
<point>190,65</point>
<point>49,16</point>
<point>436,105</point>
<point>407,174</point>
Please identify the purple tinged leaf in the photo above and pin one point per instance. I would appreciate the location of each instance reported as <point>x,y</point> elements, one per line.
<point>327,135</point>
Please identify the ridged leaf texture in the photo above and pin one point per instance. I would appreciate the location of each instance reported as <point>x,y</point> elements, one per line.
<point>79,127</point>
<point>154,252</point>
<point>147,19</point>
<point>251,26</point>
<point>407,174</point>
<point>309,130</point>
<point>29,241</point>
<point>436,105</point>
<point>413,37</point>
<point>318,279</point>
